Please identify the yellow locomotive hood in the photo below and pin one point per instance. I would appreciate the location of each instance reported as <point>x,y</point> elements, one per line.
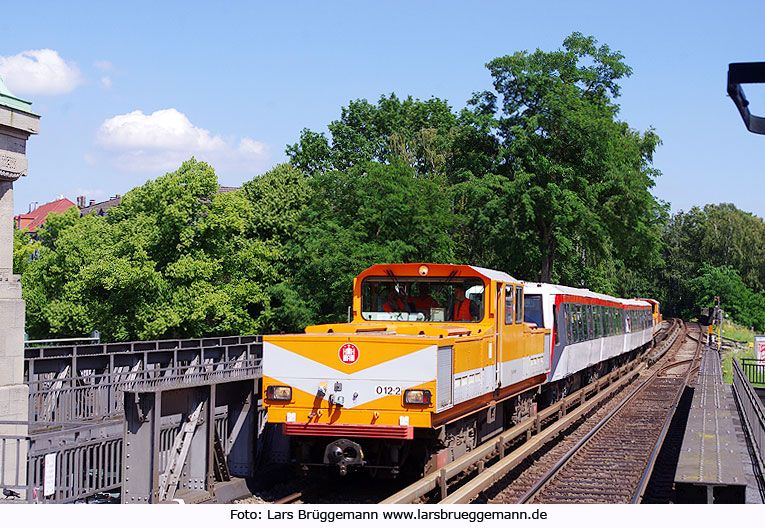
<point>359,367</point>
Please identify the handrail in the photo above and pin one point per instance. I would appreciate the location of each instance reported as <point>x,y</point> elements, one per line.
<point>752,413</point>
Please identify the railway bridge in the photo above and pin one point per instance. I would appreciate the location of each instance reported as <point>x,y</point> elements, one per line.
<point>160,420</point>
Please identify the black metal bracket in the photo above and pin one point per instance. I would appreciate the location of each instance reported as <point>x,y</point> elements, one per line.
<point>742,73</point>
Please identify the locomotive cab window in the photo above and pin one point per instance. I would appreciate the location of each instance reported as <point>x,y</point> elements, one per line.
<point>532,310</point>
<point>436,299</point>
<point>509,303</point>
<point>518,304</point>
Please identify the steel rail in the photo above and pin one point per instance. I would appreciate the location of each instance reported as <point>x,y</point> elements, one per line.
<point>534,490</point>
<point>290,499</point>
<point>494,448</point>
<point>655,452</point>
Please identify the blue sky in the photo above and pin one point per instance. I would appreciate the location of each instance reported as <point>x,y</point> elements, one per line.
<point>127,91</point>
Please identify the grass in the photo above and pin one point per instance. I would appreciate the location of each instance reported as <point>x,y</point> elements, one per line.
<point>736,331</point>
<point>741,333</point>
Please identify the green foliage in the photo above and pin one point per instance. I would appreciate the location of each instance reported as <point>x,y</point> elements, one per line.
<point>536,177</point>
<point>55,224</point>
<point>370,214</point>
<point>25,250</point>
<point>578,179</point>
<point>742,304</point>
<point>715,237</point>
<point>418,132</point>
<point>174,259</point>
<point>738,332</point>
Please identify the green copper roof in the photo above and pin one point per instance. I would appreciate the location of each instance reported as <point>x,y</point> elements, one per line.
<point>11,101</point>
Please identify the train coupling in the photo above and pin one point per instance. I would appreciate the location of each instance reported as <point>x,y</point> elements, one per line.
<point>343,453</point>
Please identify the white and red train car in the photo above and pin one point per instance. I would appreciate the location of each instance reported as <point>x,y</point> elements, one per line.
<point>589,330</point>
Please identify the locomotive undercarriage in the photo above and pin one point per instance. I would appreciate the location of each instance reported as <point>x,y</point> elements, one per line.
<point>383,458</point>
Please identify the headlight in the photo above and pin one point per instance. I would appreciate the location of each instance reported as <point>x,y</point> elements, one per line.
<point>279,392</point>
<point>417,397</point>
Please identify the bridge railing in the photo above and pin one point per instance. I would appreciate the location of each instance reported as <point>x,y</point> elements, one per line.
<point>98,396</point>
<point>86,458</point>
<point>751,407</point>
<point>754,369</point>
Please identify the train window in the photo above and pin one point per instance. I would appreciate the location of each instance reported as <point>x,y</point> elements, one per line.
<point>555,325</point>
<point>567,316</point>
<point>601,322</point>
<point>509,304</point>
<point>532,310</point>
<point>596,318</point>
<point>518,304</point>
<point>606,321</point>
<point>579,323</point>
<point>587,322</point>
<point>590,323</point>
<point>413,299</point>
<point>612,320</point>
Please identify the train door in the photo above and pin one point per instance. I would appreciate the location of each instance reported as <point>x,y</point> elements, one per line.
<point>510,331</point>
<point>498,338</point>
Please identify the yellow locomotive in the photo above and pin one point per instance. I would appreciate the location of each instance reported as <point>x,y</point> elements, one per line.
<point>436,358</point>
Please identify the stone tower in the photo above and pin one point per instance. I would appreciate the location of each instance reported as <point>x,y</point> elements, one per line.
<point>17,123</point>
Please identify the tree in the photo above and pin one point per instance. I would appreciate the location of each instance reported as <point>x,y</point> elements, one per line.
<point>419,133</point>
<point>578,179</point>
<point>174,259</point>
<point>25,250</point>
<point>734,238</point>
<point>369,214</point>
<point>738,301</point>
<point>715,237</point>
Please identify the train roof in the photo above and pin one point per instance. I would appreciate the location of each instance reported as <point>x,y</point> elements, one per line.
<point>556,289</point>
<point>436,270</point>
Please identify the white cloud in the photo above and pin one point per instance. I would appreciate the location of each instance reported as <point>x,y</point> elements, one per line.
<point>39,72</point>
<point>106,82</point>
<point>103,65</point>
<point>162,140</point>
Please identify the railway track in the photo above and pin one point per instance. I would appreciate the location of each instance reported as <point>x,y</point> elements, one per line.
<point>534,443</point>
<point>612,463</point>
<point>321,488</point>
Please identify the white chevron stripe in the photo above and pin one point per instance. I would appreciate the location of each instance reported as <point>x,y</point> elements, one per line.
<point>306,374</point>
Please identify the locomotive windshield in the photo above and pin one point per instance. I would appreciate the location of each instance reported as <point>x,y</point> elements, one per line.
<point>414,299</point>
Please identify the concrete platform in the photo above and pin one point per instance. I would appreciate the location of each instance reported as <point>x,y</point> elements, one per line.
<point>710,468</point>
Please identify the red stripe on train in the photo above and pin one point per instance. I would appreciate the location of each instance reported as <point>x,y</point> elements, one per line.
<point>400,432</point>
